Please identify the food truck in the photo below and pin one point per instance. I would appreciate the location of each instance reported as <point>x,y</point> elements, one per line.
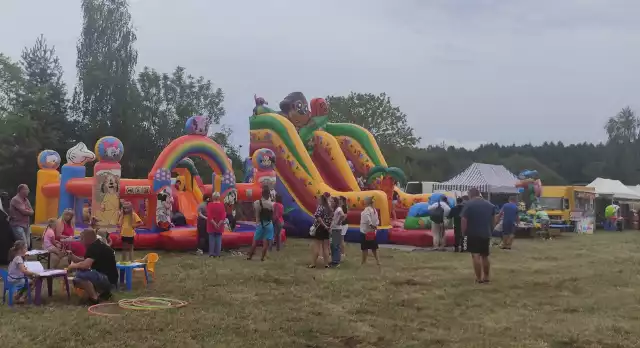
<point>568,204</point>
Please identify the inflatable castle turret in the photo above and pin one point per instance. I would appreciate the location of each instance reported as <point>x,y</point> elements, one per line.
<point>106,181</point>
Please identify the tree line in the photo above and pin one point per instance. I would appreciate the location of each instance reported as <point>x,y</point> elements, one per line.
<point>147,108</point>
<point>558,164</point>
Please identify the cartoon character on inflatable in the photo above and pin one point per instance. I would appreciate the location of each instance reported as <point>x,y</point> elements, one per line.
<point>531,186</point>
<point>296,109</point>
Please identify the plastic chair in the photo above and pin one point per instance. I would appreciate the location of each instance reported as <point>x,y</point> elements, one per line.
<point>150,259</point>
<point>11,288</point>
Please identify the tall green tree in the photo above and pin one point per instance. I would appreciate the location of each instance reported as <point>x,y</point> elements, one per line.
<point>37,117</point>
<point>623,127</point>
<point>385,121</point>
<point>104,96</point>
<point>166,101</point>
<point>44,97</point>
<point>11,82</point>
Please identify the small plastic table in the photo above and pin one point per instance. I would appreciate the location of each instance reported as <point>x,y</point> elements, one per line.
<point>49,275</point>
<point>41,255</point>
<point>126,272</point>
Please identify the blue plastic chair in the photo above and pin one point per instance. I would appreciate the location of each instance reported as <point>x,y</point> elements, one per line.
<point>11,288</point>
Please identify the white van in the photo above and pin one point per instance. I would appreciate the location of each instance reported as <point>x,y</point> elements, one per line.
<point>419,187</point>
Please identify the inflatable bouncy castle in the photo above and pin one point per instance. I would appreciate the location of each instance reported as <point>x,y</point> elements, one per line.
<point>314,156</point>
<point>172,188</point>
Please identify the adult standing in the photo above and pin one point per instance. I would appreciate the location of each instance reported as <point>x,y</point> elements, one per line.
<point>278,221</point>
<point>6,233</point>
<point>455,214</point>
<point>369,222</point>
<point>438,212</point>
<point>323,216</point>
<point>203,237</point>
<point>336,231</point>
<point>510,218</point>
<point>216,217</point>
<point>263,209</point>
<point>478,219</point>
<point>20,211</point>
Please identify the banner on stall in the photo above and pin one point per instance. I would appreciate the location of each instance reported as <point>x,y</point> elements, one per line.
<point>585,225</point>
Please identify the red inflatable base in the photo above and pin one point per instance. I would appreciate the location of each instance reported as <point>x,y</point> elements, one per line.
<point>184,238</point>
<point>419,238</point>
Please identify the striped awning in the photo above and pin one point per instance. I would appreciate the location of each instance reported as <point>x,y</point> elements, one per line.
<point>484,177</point>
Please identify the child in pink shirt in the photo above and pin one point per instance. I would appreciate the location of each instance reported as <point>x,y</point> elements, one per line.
<point>51,244</point>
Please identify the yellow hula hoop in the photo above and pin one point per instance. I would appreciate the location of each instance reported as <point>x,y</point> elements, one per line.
<point>151,303</point>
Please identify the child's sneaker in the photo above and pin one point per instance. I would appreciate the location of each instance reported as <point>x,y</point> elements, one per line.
<point>199,252</point>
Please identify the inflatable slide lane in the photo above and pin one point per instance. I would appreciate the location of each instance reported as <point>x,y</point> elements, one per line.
<point>299,180</point>
<point>361,149</point>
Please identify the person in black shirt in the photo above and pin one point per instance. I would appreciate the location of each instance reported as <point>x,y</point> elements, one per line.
<point>457,224</point>
<point>96,272</point>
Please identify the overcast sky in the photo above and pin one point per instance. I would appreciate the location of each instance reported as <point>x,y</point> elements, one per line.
<point>465,71</point>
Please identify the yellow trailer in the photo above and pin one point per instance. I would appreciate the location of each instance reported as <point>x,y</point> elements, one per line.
<point>560,201</point>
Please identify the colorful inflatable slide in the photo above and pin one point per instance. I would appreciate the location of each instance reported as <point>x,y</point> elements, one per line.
<point>314,156</point>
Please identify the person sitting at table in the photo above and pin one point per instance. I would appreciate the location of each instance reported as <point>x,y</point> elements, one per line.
<point>52,245</point>
<point>18,271</point>
<point>96,272</point>
<point>66,227</point>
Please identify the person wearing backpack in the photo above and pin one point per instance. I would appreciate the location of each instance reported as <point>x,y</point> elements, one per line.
<point>438,212</point>
<point>264,223</point>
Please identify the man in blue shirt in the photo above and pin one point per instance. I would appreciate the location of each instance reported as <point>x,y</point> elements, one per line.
<point>478,220</point>
<point>510,219</point>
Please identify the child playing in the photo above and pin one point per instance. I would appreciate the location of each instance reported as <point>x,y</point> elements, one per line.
<point>129,221</point>
<point>17,270</point>
<point>51,244</point>
<point>103,235</point>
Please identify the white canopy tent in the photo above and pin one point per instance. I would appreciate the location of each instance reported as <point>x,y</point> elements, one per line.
<point>488,178</point>
<point>614,188</point>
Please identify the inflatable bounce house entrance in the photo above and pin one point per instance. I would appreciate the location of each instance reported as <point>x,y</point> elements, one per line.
<point>158,199</point>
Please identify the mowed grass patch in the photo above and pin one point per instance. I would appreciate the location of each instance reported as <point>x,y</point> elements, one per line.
<point>575,291</point>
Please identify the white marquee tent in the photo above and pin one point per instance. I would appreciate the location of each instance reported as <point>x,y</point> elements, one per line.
<point>614,188</point>
<point>488,178</point>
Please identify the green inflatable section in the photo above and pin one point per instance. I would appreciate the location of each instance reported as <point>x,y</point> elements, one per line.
<point>422,223</point>
<point>417,223</point>
<point>610,211</point>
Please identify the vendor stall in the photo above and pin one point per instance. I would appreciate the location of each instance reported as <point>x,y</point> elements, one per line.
<point>609,191</point>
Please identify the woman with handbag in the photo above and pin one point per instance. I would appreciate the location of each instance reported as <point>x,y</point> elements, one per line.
<point>320,231</point>
<point>368,225</point>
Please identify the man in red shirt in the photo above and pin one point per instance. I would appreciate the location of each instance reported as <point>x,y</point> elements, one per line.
<point>216,216</point>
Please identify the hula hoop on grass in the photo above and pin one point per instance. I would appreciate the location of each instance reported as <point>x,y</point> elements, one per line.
<point>92,309</point>
<point>151,303</point>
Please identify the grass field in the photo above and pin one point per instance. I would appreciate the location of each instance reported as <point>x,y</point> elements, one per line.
<point>576,291</point>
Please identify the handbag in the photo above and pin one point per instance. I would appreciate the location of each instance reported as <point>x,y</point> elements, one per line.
<point>499,227</point>
<point>370,235</point>
<point>312,230</point>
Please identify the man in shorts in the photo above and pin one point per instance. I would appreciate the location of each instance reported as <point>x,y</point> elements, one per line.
<point>478,220</point>
<point>510,219</point>
<point>96,272</point>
